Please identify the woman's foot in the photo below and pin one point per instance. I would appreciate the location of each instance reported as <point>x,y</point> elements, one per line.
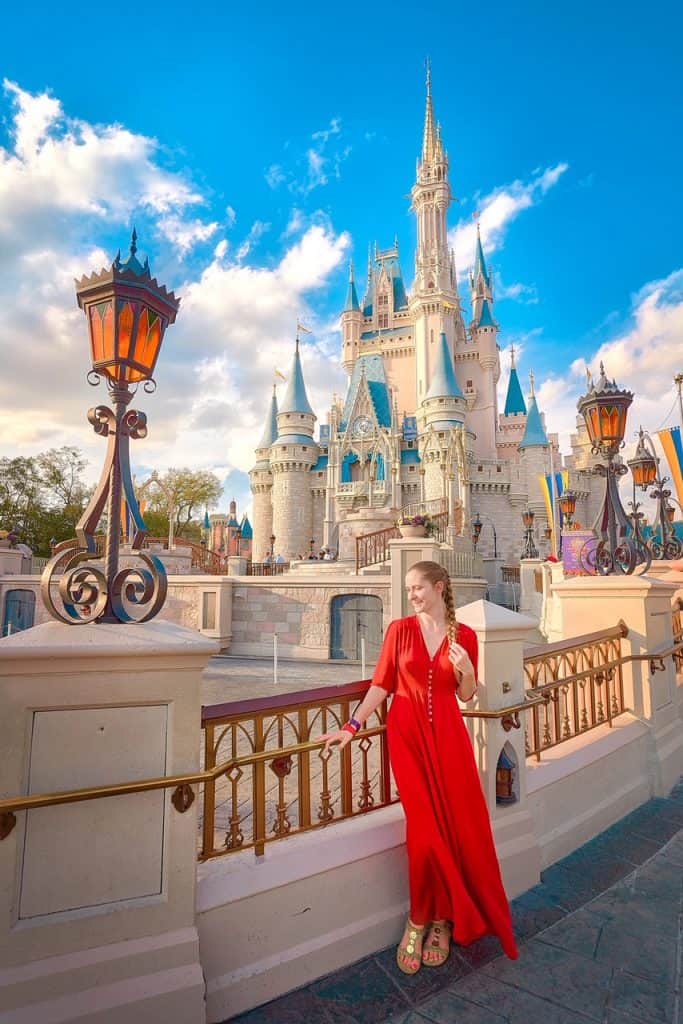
<point>409,952</point>
<point>437,945</point>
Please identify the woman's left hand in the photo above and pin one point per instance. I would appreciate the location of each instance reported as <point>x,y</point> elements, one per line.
<point>461,662</point>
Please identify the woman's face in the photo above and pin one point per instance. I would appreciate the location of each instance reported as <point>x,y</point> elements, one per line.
<point>423,595</point>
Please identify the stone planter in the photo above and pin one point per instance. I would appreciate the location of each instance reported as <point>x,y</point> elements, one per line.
<point>408,530</point>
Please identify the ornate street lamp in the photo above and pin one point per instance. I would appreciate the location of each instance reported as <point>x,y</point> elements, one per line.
<point>604,410</point>
<point>127,312</point>
<point>530,550</point>
<point>476,530</point>
<point>645,469</point>
<point>548,533</point>
<point>567,505</point>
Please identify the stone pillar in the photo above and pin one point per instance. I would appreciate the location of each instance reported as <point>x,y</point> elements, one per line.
<point>237,565</point>
<point>589,603</point>
<point>405,553</point>
<point>531,595</point>
<point>501,635</point>
<point>97,898</point>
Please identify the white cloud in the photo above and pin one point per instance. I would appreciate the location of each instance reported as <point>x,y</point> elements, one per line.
<point>496,211</point>
<point>320,161</point>
<point>62,180</point>
<point>643,356</point>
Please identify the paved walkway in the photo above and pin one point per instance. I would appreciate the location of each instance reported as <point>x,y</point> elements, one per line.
<point>600,939</point>
<point>229,678</point>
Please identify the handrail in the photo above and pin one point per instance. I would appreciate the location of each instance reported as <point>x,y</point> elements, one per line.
<point>32,801</point>
<point>539,650</point>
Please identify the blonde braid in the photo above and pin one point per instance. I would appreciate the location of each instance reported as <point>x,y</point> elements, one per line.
<point>451,623</point>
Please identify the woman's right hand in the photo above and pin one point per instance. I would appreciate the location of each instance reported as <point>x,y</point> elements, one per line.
<point>340,736</point>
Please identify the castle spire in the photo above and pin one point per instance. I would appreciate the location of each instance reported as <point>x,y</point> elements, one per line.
<point>429,135</point>
<point>534,433</point>
<point>351,305</point>
<point>443,383</point>
<point>480,262</point>
<point>295,398</point>
<point>514,400</point>
<point>270,428</point>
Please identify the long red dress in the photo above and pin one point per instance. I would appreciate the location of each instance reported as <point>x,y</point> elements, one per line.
<point>453,868</point>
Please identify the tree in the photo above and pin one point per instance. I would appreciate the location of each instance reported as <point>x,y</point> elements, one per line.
<point>43,495</point>
<point>184,494</point>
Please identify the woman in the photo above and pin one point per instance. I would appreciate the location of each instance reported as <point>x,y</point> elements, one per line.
<point>453,869</point>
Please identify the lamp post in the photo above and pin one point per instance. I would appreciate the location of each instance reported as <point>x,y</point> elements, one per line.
<point>477,525</point>
<point>604,408</point>
<point>530,550</point>
<point>476,530</point>
<point>272,544</point>
<point>567,503</point>
<point>127,312</point>
<point>310,547</point>
<point>645,469</point>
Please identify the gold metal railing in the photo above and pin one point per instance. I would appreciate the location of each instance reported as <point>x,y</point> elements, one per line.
<point>279,781</point>
<point>677,629</point>
<point>581,682</point>
<point>265,775</point>
<point>373,548</point>
<point>266,568</point>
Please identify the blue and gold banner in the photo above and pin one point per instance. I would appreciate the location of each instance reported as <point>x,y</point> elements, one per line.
<point>545,483</point>
<point>673,450</point>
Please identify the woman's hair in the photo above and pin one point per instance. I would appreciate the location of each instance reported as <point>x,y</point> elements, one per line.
<point>435,573</point>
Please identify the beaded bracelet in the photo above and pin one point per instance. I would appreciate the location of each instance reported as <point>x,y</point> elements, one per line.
<point>352,726</point>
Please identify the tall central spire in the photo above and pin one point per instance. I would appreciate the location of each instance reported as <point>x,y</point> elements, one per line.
<point>429,137</point>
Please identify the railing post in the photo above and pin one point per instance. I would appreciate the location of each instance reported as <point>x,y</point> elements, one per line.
<point>644,604</point>
<point>501,635</point>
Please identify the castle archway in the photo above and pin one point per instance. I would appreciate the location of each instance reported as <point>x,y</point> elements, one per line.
<point>354,617</point>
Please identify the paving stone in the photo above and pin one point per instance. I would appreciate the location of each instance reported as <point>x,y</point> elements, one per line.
<point>571,889</point>
<point>645,999</point>
<point>572,981</point>
<point>481,952</point>
<point>532,912</point>
<point>636,910</point>
<point>428,980</point>
<point>649,953</point>
<point>578,933</point>
<point>299,1007</point>
<point>482,1000</point>
<point>363,993</point>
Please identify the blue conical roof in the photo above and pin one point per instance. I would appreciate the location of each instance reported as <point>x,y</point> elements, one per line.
<point>479,261</point>
<point>486,317</point>
<point>206,524</point>
<point>351,305</point>
<point>514,401</point>
<point>534,433</point>
<point>443,383</point>
<point>247,532</point>
<point>270,429</point>
<point>295,398</point>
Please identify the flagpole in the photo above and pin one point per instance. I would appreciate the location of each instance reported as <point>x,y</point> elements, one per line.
<point>678,381</point>
<point>553,499</point>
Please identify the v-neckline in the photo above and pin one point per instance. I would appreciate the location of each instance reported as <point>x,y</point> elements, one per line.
<point>431,657</point>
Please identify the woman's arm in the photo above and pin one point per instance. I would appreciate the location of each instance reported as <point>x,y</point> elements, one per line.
<point>371,701</point>
<point>464,670</point>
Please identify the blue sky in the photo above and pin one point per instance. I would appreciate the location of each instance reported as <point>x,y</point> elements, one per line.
<point>258,149</point>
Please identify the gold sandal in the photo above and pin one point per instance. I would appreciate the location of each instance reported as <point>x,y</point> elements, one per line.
<point>415,931</point>
<point>438,955</point>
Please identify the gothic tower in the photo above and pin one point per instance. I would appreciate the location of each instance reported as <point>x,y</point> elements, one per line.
<point>434,301</point>
<point>292,455</point>
<point>484,334</point>
<point>351,325</point>
<point>261,479</point>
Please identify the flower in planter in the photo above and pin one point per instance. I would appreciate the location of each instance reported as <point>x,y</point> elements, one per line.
<point>418,520</point>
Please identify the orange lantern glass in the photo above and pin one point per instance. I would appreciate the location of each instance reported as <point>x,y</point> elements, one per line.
<point>643,465</point>
<point>604,410</point>
<point>128,313</point>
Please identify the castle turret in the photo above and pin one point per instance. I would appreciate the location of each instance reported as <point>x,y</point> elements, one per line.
<point>534,451</point>
<point>514,400</point>
<point>484,334</point>
<point>434,302</point>
<point>351,324</point>
<point>292,455</point>
<point>441,411</point>
<point>261,479</point>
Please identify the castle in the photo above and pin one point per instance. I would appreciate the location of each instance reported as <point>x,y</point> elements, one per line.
<point>419,427</point>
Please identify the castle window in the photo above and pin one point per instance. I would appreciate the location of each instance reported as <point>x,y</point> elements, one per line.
<point>469,384</point>
<point>411,469</point>
<point>383,320</point>
<point>499,469</point>
<point>383,300</point>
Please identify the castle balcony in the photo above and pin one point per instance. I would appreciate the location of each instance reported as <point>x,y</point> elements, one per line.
<point>360,493</point>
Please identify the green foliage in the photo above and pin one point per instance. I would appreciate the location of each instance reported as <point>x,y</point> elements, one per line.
<point>183,493</point>
<point>43,496</point>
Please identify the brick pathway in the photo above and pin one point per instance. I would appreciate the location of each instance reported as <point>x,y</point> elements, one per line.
<point>600,939</point>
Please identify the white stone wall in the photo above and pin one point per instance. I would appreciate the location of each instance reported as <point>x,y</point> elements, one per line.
<point>292,511</point>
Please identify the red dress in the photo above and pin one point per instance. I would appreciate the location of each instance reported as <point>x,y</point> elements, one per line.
<point>453,868</point>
